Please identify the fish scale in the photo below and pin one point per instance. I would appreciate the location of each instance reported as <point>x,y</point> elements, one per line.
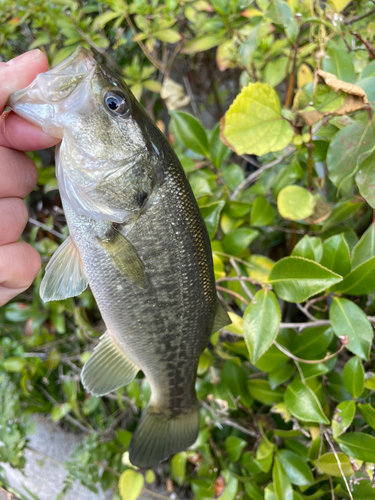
<point>137,238</point>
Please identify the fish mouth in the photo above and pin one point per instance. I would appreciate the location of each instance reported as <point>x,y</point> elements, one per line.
<point>43,101</point>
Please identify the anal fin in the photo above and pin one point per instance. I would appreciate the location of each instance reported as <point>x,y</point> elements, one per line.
<point>124,257</point>
<point>107,369</point>
<point>221,319</point>
<point>64,276</point>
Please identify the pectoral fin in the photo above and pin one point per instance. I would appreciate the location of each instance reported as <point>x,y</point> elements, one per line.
<point>124,257</point>
<point>64,276</point>
<point>107,369</point>
<point>221,319</point>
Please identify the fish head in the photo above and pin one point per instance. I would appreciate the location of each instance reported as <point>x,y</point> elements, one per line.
<point>81,100</point>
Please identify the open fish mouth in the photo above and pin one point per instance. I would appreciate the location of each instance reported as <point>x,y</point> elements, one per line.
<point>53,92</point>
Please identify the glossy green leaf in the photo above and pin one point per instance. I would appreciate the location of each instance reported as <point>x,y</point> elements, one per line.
<point>211,216</point>
<point>365,248</point>
<point>261,391</point>
<point>261,323</point>
<point>297,470</point>
<point>353,377</point>
<point>336,255</point>
<point>130,485</point>
<point>343,417</point>
<point>178,467</point>
<point>253,491</point>
<point>59,411</point>
<point>238,240</point>
<point>296,279</point>
<point>275,71</point>
<point>303,403</point>
<point>312,343</point>
<point>218,150</point>
<point>280,375</point>
<point>234,447</point>
<point>235,378</point>
<point>347,149</point>
<point>295,203</point>
<point>190,132</point>
<point>341,212</point>
<point>359,281</point>
<point>328,464</point>
<point>264,455</point>
<point>262,214</point>
<point>254,124</point>
<point>339,63</point>
<point>168,35</point>
<point>312,371</point>
<point>233,175</point>
<point>282,487</point>
<point>309,247</point>
<point>203,43</point>
<point>365,179</point>
<point>368,413</point>
<point>348,319</point>
<point>271,359</point>
<point>358,445</point>
<point>90,404</point>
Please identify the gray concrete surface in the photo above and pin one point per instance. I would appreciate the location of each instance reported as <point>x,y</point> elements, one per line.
<point>44,473</point>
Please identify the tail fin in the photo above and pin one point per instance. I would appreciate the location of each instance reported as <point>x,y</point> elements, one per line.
<point>157,437</point>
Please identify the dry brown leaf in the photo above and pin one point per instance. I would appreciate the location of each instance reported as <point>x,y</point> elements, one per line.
<point>173,94</point>
<point>310,116</point>
<point>321,211</point>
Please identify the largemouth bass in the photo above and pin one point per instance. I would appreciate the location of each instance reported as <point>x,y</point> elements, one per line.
<point>137,238</point>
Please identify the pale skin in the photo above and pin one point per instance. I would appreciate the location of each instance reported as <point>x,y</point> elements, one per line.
<point>19,261</point>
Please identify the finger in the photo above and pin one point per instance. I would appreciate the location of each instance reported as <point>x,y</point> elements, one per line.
<point>19,264</point>
<point>18,174</point>
<point>19,72</point>
<point>17,133</point>
<point>13,219</point>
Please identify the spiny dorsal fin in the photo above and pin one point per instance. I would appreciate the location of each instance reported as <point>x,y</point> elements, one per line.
<point>107,369</point>
<point>124,257</point>
<point>64,276</point>
<point>221,319</point>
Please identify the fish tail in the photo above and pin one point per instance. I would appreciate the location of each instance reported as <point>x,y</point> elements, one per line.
<point>157,436</point>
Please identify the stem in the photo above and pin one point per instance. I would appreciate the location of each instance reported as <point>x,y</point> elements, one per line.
<point>46,228</point>
<point>235,294</point>
<point>307,361</point>
<point>238,272</point>
<point>339,464</point>
<point>354,19</point>
<point>292,76</point>
<point>310,162</point>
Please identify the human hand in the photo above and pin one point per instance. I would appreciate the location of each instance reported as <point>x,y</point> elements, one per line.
<point>19,262</point>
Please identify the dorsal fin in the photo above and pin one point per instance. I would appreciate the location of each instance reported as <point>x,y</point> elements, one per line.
<point>64,276</point>
<point>107,369</point>
<point>221,319</point>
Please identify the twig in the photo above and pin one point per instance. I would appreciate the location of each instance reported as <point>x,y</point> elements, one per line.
<point>192,98</point>
<point>235,294</point>
<point>47,457</point>
<point>354,19</point>
<point>370,50</point>
<point>251,178</point>
<point>306,312</point>
<point>228,421</point>
<point>302,326</point>
<point>238,278</point>
<point>238,272</point>
<point>338,463</point>
<point>307,361</point>
<point>250,160</point>
<point>46,228</point>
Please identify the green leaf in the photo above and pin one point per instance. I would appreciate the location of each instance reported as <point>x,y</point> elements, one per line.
<point>282,487</point>
<point>328,464</point>
<point>130,485</point>
<point>238,240</point>
<point>365,248</point>
<point>339,63</point>
<point>280,375</point>
<point>358,445</point>
<point>348,319</point>
<point>312,343</point>
<point>343,417</point>
<point>341,212</point>
<point>295,203</point>
<point>152,85</point>
<point>59,411</point>
<point>296,469</point>
<point>253,491</point>
<point>14,364</point>
<point>336,254</point>
<point>348,148</point>
<point>42,39</point>
<point>296,279</point>
<point>150,476</point>
<point>303,403</point>
<point>90,404</point>
<point>168,35</point>
<point>231,487</point>
<point>309,247</point>
<point>218,150</point>
<point>353,377</point>
<point>275,71</point>
<point>178,467</point>
<point>235,378</point>
<point>103,19</point>
<point>262,214</point>
<point>359,281</point>
<point>190,132</point>
<point>261,323</point>
<point>254,124</point>
<point>272,359</point>
<point>279,13</point>
<point>234,446</point>
<point>260,267</point>
<point>211,216</point>
<point>368,413</point>
<point>264,455</point>
<point>261,391</point>
<point>203,43</point>
<point>365,179</point>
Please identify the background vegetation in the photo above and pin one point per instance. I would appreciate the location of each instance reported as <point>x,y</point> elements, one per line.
<point>285,183</point>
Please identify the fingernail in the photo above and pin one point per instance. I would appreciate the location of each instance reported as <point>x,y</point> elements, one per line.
<point>25,58</point>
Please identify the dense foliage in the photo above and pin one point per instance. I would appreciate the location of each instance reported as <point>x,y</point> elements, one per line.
<point>285,183</point>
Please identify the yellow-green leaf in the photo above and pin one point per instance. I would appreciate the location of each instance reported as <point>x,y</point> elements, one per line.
<point>130,485</point>
<point>295,203</point>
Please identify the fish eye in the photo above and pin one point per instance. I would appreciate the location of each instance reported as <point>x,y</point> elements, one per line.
<point>116,103</point>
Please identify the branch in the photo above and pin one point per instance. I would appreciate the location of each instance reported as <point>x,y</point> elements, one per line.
<point>302,326</point>
<point>308,361</point>
<point>229,422</point>
<point>46,228</point>
<point>338,463</point>
<point>238,272</point>
<point>235,294</point>
<point>252,177</point>
<point>354,19</point>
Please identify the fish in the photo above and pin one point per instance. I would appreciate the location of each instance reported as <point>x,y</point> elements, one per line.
<point>137,239</point>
